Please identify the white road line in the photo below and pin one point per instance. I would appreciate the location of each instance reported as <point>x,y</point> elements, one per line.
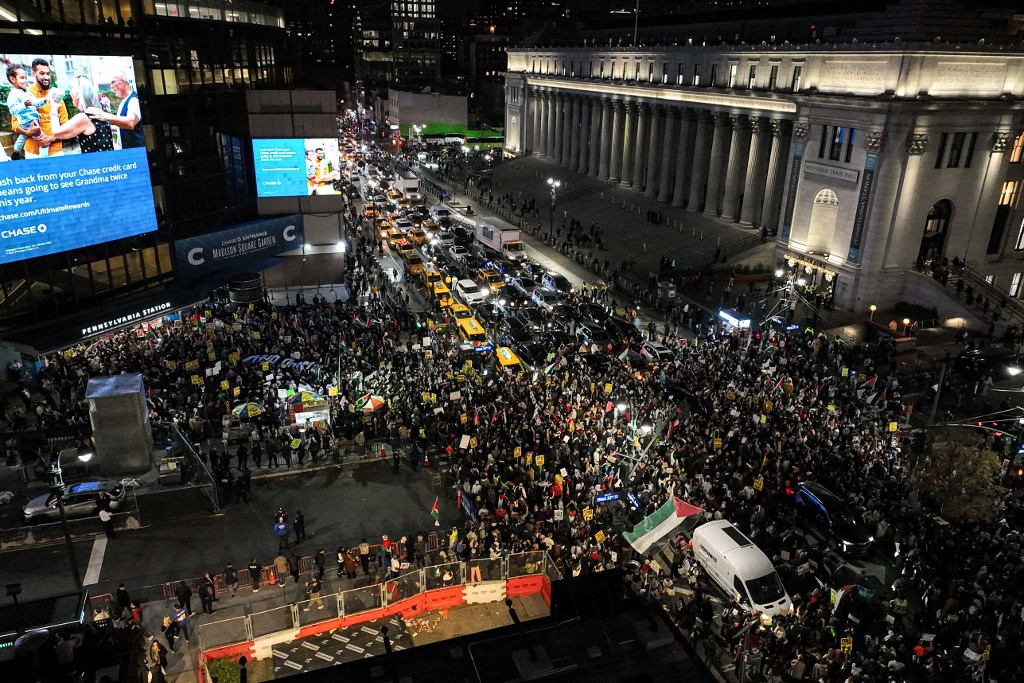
<point>92,574</point>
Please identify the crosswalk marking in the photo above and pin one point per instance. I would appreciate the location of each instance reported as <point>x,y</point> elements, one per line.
<point>92,574</point>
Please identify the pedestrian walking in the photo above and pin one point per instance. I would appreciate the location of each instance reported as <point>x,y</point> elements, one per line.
<point>351,563</point>
<point>184,595</point>
<point>256,574</point>
<point>281,530</point>
<point>313,587</point>
<point>230,578</point>
<point>342,554</point>
<point>123,601</point>
<point>206,596</point>
<point>320,560</point>
<point>180,618</point>
<point>300,526</point>
<point>169,630</point>
<point>107,522</point>
<point>281,568</point>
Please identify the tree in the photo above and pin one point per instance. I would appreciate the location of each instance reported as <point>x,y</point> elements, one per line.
<point>960,475</point>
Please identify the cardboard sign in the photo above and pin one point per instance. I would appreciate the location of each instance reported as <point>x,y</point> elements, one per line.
<point>599,536</point>
<point>893,426</point>
<point>717,444</point>
<point>265,366</point>
<point>846,644</point>
<point>464,442</point>
<point>296,443</point>
<point>237,391</point>
<point>192,365</point>
<point>608,388</point>
<point>196,379</point>
<point>759,484</point>
<point>588,514</point>
<point>225,385</point>
<point>539,459</point>
<point>332,391</point>
<point>472,442</point>
<point>518,451</point>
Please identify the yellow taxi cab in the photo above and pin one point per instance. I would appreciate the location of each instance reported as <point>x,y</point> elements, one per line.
<point>394,194</point>
<point>404,203</point>
<point>491,278</point>
<point>472,331</point>
<point>413,262</point>
<point>508,360</point>
<point>369,212</point>
<point>383,226</point>
<point>416,236</point>
<point>442,295</point>
<point>394,236</point>
<point>430,227</point>
<point>404,247</point>
<point>430,275</point>
<point>458,311</point>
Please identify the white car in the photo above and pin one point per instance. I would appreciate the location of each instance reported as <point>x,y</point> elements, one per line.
<point>469,291</point>
<point>545,299</point>
<point>438,212</point>
<point>655,352</point>
<point>458,253</point>
<point>446,239</point>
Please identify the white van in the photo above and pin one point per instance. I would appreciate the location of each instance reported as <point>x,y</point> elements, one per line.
<point>740,569</point>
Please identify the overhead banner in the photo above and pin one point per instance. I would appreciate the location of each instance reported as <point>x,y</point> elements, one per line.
<point>247,242</point>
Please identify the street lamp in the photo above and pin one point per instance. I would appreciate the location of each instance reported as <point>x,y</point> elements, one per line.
<point>872,308</point>
<point>555,184</point>
<point>57,485</point>
<point>906,322</point>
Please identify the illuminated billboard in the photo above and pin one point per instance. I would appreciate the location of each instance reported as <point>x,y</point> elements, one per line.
<point>76,172</point>
<point>296,167</point>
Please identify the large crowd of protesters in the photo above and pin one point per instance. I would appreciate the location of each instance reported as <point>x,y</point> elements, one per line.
<point>727,426</point>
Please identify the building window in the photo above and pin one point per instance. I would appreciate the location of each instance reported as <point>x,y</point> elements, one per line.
<point>696,74</point>
<point>650,72</point>
<point>679,77</point>
<point>835,148</point>
<point>713,81</point>
<point>1007,198</point>
<point>664,73</point>
<point>956,150</point>
<point>773,77</point>
<point>1015,285</point>
<point>602,68</point>
<point>823,142</point>
<point>733,68</point>
<point>636,76</point>
<point>1008,194</point>
<point>970,150</point>
<point>572,68</point>
<point>940,153</point>
<point>752,77</point>
<point>1018,149</point>
<point>850,139</point>
<point>1019,246</point>
<point>797,73</point>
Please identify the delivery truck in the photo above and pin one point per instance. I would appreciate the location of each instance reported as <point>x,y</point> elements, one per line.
<point>502,237</point>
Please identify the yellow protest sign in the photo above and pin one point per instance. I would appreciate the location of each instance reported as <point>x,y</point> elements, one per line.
<point>764,418</point>
<point>332,391</point>
<point>236,391</point>
<point>862,377</point>
<point>208,313</point>
<point>845,372</point>
<point>460,378</point>
<point>529,458</point>
<point>608,388</point>
<point>196,379</point>
<point>518,451</point>
<point>225,385</point>
<point>265,366</point>
<point>759,484</point>
<point>588,514</point>
<point>428,354</point>
<point>68,353</point>
<point>171,365</point>
<point>463,418</point>
<point>730,394</point>
<point>192,365</point>
<point>212,356</point>
<point>433,397</point>
<point>768,405</point>
<point>472,442</point>
<point>599,536</point>
<point>893,426</point>
<point>846,644</point>
<point>467,366</point>
<point>254,334</point>
<point>539,459</point>
<point>717,443</point>
<point>296,443</point>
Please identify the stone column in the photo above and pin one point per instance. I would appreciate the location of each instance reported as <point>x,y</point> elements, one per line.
<point>628,141</point>
<point>573,162</point>
<point>567,104</point>
<point>684,161</point>
<point>772,179</point>
<point>667,145</point>
<point>737,169</point>
<point>556,133</point>
<point>701,154</point>
<point>582,135</point>
<point>724,124</point>
<point>534,103</point>
<point>757,164</point>
<point>653,146</point>
<point>643,133</point>
<point>596,141</point>
<point>608,108</point>
<point>549,132</point>
<point>615,161</point>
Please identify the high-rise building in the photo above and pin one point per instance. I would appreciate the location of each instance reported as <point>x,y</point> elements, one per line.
<point>321,41</point>
<point>398,44</point>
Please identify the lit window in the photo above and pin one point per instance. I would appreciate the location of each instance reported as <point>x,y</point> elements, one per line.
<point>1015,285</point>
<point>1008,194</point>
<point>1018,149</point>
<point>797,72</point>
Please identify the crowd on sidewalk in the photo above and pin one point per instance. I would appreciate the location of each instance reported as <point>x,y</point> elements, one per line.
<point>528,454</point>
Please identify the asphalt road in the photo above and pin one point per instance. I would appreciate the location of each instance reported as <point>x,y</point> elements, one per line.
<point>337,511</point>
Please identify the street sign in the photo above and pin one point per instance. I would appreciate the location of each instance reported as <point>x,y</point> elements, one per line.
<point>633,502</point>
<point>607,497</point>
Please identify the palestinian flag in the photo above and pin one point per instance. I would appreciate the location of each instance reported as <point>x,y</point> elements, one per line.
<point>435,513</point>
<point>665,522</point>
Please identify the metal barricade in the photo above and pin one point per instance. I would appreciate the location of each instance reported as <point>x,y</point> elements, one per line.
<point>551,570</point>
<point>224,632</point>
<point>360,599</point>
<point>525,564</point>
<point>484,570</point>
<point>442,576</point>
<point>405,586</point>
<point>318,609</point>
<point>271,621</point>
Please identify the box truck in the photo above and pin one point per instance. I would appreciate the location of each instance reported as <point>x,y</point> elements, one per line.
<point>502,237</point>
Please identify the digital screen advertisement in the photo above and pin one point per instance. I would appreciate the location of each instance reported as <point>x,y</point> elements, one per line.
<point>76,172</point>
<point>296,167</point>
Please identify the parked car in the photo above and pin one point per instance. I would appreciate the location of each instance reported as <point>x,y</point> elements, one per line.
<point>80,500</point>
<point>829,515</point>
<point>624,331</point>
<point>592,334</point>
<point>545,299</point>
<point>555,282</point>
<point>458,253</point>
<point>462,236</point>
<point>656,352</point>
<point>514,330</point>
<point>439,212</point>
<point>445,239</point>
<point>469,291</point>
<point>533,318</point>
<point>524,284</point>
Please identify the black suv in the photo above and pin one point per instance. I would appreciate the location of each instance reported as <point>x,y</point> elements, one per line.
<point>829,515</point>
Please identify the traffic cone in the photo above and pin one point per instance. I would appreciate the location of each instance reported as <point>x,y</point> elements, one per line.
<point>426,459</point>
<point>383,454</point>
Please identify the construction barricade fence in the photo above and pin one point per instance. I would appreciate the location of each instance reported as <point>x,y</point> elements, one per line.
<point>412,592</point>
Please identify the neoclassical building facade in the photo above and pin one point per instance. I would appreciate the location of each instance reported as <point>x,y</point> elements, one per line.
<point>863,160</point>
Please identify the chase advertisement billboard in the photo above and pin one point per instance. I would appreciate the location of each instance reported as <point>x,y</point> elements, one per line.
<point>79,174</point>
<point>247,242</point>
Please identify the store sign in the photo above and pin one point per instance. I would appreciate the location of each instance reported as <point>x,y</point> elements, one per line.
<point>126,318</point>
<point>219,250</point>
<point>848,174</point>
